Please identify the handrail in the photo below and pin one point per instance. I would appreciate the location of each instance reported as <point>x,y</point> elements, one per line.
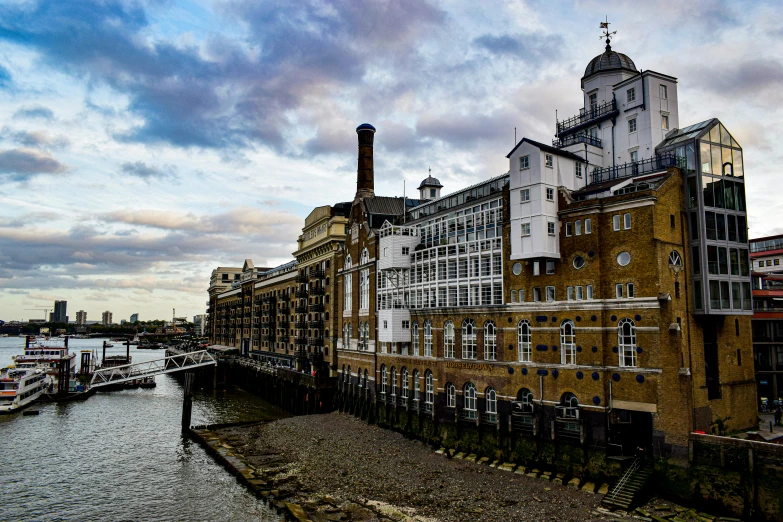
<point>627,170</point>
<point>587,115</point>
<point>626,476</point>
<point>170,364</point>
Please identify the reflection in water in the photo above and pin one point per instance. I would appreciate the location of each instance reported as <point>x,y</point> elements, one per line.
<point>121,456</point>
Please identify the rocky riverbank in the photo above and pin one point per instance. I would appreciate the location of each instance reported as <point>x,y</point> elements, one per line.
<point>337,467</point>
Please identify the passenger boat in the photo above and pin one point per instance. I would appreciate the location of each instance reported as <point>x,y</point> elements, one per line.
<point>19,388</point>
<point>47,357</point>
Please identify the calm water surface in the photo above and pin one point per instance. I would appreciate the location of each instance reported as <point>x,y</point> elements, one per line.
<point>120,455</point>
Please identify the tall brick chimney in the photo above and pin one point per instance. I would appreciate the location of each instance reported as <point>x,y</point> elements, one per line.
<point>365,175</point>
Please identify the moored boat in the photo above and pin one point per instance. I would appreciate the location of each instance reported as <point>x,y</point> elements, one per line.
<point>19,388</point>
<point>53,359</point>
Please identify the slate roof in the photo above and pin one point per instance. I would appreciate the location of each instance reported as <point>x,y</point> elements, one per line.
<point>547,148</point>
<point>609,61</point>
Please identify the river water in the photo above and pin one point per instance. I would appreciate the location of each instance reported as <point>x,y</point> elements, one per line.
<point>120,455</point>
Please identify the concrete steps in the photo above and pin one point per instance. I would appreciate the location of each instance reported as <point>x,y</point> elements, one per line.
<point>625,495</point>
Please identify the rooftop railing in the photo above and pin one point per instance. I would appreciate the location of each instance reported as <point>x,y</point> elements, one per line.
<point>587,116</point>
<point>627,170</point>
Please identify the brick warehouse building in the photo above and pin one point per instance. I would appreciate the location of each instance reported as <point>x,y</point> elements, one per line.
<point>593,299</point>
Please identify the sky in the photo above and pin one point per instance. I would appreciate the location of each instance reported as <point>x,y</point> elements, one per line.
<point>144,143</point>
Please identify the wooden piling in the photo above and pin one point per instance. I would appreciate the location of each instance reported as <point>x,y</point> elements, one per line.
<point>187,404</point>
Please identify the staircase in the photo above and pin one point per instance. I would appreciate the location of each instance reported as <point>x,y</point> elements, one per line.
<point>628,487</point>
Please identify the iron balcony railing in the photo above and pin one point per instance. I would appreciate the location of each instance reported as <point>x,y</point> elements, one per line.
<point>301,293</point>
<point>317,291</point>
<point>627,170</point>
<point>284,310</point>
<point>269,299</point>
<point>300,325</point>
<point>316,324</point>
<point>579,137</point>
<point>301,278</point>
<point>300,309</point>
<point>282,339</point>
<point>300,341</point>
<point>316,307</point>
<point>315,341</point>
<point>317,274</point>
<point>282,324</point>
<point>268,337</point>
<point>587,117</point>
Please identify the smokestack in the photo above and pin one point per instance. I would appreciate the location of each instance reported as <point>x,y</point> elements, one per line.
<point>365,176</point>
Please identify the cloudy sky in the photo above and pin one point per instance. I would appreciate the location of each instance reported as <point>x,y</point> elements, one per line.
<point>143,143</point>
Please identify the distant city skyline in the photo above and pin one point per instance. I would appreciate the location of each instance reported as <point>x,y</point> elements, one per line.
<point>169,138</point>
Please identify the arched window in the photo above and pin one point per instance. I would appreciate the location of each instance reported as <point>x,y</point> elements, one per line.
<point>490,341</point>
<point>384,380</point>
<point>524,341</point>
<point>394,381</point>
<point>451,395</point>
<point>470,399</point>
<point>468,339</point>
<point>365,257</point>
<point>429,388</point>
<point>404,376</point>
<point>348,262</point>
<point>525,396</point>
<point>364,289</point>
<point>626,342</point>
<point>346,337</point>
<point>415,338</point>
<point>492,401</point>
<point>427,338</point>
<point>448,340</point>
<point>567,342</point>
<point>569,406</point>
<point>416,386</point>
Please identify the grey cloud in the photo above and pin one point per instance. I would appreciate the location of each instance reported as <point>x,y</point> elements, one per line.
<point>744,78</point>
<point>37,111</point>
<point>466,130</point>
<point>527,47</point>
<point>41,138</point>
<point>22,164</point>
<point>28,219</point>
<point>141,170</point>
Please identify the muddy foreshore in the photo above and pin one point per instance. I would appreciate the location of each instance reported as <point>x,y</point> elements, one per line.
<point>338,467</point>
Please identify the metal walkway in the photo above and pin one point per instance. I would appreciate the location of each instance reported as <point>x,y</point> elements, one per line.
<point>171,364</point>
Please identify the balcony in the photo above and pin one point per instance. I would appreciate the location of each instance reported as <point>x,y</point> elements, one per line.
<point>315,341</point>
<point>316,324</point>
<point>300,341</point>
<point>317,274</point>
<point>268,337</point>
<point>268,299</point>
<point>300,325</point>
<point>317,291</point>
<point>282,339</point>
<point>282,324</point>
<point>301,293</point>
<point>266,313</point>
<point>300,309</point>
<point>579,137</point>
<point>284,310</point>
<point>587,117</point>
<point>627,170</point>
<point>302,278</point>
<point>316,307</point>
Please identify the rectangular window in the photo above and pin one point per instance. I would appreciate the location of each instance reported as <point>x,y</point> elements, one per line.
<point>570,293</point>
<point>665,122</point>
<point>513,296</point>
<point>634,156</point>
<point>662,92</point>
<point>627,221</point>
<point>550,194</point>
<point>536,294</point>
<point>536,268</point>
<point>550,160</point>
<point>568,229</point>
<point>631,93</point>
<point>550,293</point>
<point>405,325</point>
<point>406,251</point>
<point>578,169</point>
<point>578,227</point>
<point>385,325</point>
<point>524,195</point>
<point>521,296</point>
<point>550,267</point>
<point>588,226</point>
<point>618,291</point>
<point>589,289</point>
<point>631,126</point>
<point>629,289</point>
<point>525,229</point>
<point>524,162</point>
<point>616,222</point>
<point>579,295</point>
<point>550,228</point>
<point>593,99</point>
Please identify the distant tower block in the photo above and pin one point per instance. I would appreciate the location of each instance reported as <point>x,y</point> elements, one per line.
<point>429,188</point>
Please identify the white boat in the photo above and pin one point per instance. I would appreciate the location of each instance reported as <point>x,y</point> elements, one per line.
<point>20,387</point>
<point>47,357</point>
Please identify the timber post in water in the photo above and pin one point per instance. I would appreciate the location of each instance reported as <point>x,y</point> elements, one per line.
<point>187,404</point>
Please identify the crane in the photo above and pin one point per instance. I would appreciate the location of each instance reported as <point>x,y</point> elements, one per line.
<point>45,310</point>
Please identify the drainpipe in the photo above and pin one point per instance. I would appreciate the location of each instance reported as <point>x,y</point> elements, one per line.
<point>608,415</point>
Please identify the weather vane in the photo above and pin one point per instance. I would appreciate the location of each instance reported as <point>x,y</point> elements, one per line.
<point>606,33</point>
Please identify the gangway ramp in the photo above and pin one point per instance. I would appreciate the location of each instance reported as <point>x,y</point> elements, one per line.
<point>170,364</point>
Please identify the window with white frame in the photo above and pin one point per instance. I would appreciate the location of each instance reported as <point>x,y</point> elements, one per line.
<point>470,398</point>
<point>364,257</point>
<point>631,94</point>
<point>427,338</point>
<point>664,122</point>
<point>406,325</point>
<point>618,291</point>
<point>634,156</point>
<point>579,294</point>
<point>549,160</point>
<point>415,338</point>
<point>384,380</point>
<point>491,400</point>
<point>577,169</point>
<point>525,229</point>
<point>406,251</point>
<point>627,221</point>
<point>631,125</point>
<point>393,378</point>
<point>364,289</point>
<point>524,341</point>
<point>578,227</point>
<point>416,386</point>
<point>524,195</point>
<point>550,228</point>
<point>569,293</point>
<point>550,267</point>
<point>589,291</point>
<point>404,382</point>
<point>616,222</point>
<point>524,162</point>
<point>347,292</point>
<point>567,342</point>
<point>490,341</point>
<point>550,194</point>
<point>448,340</point>
<point>536,294</point>
<point>468,339</point>
<point>663,92</point>
<point>568,228</point>
<point>429,388</point>
<point>451,396</point>
<point>629,290</point>
<point>550,293</point>
<point>626,342</point>
<point>588,226</point>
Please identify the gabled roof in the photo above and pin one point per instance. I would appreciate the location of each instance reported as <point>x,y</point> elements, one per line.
<point>546,148</point>
<point>386,206</point>
<point>248,265</point>
<point>698,131</point>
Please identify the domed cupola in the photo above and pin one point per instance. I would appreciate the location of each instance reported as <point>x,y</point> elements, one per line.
<point>609,60</point>
<point>429,188</point>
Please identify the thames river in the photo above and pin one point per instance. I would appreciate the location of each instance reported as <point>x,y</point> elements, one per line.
<point>120,455</point>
